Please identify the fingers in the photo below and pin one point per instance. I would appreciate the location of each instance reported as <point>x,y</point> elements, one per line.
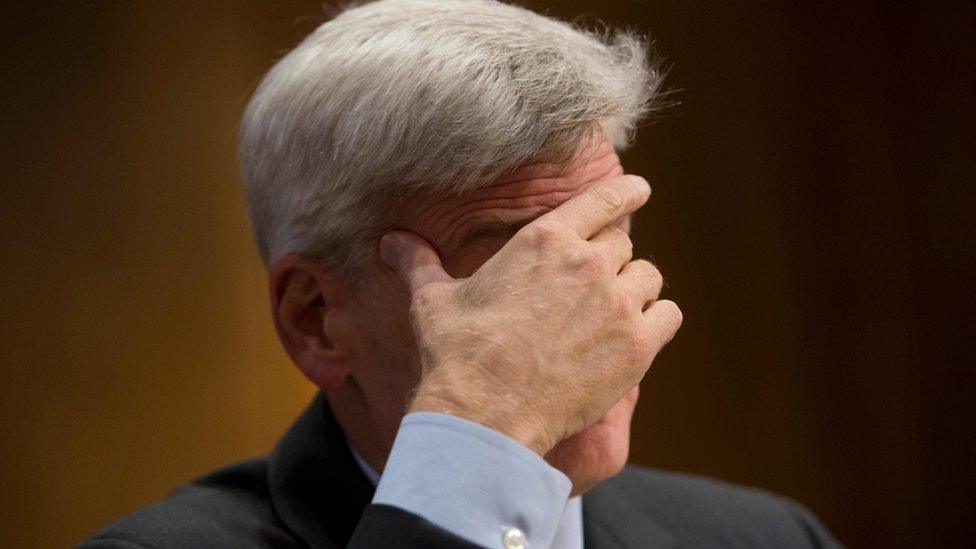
<point>413,258</point>
<point>662,320</point>
<point>642,280</point>
<point>618,245</point>
<point>600,205</point>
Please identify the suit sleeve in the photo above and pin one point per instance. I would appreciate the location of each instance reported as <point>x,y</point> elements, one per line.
<point>388,526</point>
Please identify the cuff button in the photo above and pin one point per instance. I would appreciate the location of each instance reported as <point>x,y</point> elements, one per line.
<point>513,538</point>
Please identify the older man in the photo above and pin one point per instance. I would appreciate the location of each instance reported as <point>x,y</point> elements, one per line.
<point>435,188</point>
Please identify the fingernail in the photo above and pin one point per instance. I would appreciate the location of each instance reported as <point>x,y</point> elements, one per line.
<point>390,249</point>
<point>640,184</point>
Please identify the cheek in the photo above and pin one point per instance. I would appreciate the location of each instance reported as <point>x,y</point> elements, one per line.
<point>385,349</point>
<point>601,449</point>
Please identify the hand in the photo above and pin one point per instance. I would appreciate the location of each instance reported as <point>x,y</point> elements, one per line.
<point>550,332</point>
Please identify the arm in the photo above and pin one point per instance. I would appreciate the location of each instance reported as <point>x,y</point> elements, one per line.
<point>512,350</point>
<point>446,473</point>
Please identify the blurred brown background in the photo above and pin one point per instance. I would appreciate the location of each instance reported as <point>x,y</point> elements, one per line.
<point>813,212</point>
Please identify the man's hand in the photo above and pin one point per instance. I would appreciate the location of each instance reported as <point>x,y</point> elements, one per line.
<point>550,332</point>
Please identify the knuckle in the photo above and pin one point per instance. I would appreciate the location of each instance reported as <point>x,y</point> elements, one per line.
<point>541,234</point>
<point>620,303</point>
<point>620,237</point>
<point>616,232</point>
<point>672,313</point>
<point>589,261</point>
<point>679,317</point>
<point>626,241</point>
<point>651,273</point>
<point>627,244</point>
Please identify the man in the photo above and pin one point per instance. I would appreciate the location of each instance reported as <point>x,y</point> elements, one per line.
<point>435,188</point>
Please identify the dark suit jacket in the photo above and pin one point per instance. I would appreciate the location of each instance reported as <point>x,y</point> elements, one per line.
<point>311,493</point>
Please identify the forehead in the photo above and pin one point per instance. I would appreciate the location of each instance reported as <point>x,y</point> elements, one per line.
<point>524,194</point>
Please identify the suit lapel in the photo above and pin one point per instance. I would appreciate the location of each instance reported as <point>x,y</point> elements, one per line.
<point>316,487</point>
<point>610,522</point>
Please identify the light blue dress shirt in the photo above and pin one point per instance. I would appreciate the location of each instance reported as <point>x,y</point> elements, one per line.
<point>476,483</point>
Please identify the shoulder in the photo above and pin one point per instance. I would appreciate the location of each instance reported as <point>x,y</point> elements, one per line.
<point>704,511</point>
<point>228,508</point>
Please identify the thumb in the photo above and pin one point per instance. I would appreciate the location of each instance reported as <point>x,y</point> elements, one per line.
<point>413,258</point>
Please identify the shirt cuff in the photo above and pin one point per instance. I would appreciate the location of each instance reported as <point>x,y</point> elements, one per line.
<point>472,481</point>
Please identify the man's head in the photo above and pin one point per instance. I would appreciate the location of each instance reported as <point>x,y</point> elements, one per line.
<point>456,120</point>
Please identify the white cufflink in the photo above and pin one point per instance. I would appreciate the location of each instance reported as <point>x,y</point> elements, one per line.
<point>513,538</point>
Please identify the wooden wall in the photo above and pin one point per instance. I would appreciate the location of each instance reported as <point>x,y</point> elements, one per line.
<point>812,213</point>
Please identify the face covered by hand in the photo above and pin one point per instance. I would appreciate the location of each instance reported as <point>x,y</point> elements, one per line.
<point>466,232</point>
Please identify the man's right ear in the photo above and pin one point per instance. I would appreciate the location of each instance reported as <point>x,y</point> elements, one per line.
<point>311,314</point>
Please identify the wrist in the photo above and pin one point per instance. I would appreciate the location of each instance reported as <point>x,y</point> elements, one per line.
<point>517,426</point>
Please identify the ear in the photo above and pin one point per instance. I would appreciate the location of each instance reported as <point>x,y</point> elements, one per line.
<point>311,314</point>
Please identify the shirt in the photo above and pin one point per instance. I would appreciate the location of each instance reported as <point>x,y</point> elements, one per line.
<point>476,483</point>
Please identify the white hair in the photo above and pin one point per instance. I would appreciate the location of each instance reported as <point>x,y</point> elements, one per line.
<point>397,96</point>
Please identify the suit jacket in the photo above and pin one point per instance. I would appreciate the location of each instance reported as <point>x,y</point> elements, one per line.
<point>311,493</point>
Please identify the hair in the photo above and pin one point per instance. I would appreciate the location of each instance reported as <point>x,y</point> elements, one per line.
<point>400,96</point>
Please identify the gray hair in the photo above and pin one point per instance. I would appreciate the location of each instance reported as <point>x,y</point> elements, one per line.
<point>399,96</point>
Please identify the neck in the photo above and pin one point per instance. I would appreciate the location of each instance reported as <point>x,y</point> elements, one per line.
<point>370,434</point>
